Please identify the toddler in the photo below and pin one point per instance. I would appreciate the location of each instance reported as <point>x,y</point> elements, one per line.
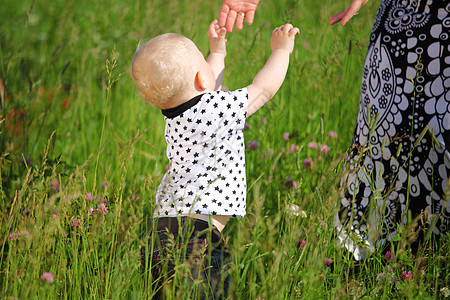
<point>205,182</point>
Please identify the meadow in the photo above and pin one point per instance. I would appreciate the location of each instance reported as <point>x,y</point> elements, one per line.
<point>81,155</point>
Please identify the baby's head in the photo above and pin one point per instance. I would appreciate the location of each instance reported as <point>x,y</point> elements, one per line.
<point>165,68</point>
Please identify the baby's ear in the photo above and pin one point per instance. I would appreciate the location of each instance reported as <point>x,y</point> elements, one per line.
<point>200,81</point>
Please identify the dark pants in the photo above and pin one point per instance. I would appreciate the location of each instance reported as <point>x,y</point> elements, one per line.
<point>187,253</point>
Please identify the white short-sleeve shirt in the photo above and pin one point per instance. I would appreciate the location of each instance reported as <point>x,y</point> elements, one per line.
<point>206,151</point>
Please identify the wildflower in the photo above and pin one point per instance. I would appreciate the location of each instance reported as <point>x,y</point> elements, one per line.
<point>55,185</point>
<point>286,136</point>
<point>91,211</point>
<point>332,134</point>
<point>13,236</point>
<point>47,276</point>
<point>301,243</point>
<point>25,234</point>
<point>328,262</point>
<point>263,121</point>
<point>75,222</point>
<point>293,148</point>
<point>293,210</point>
<point>54,215</point>
<point>312,145</point>
<point>103,184</point>
<point>388,256</point>
<point>445,291</point>
<point>20,272</point>
<point>322,276</point>
<point>407,275</point>
<point>282,149</point>
<point>270,151</point>
<point>102,208</point>
<point>26,160</point>
<point>290,183</point>
<point>253,144</point>
<point>88,196</point>
<point>308,163</point>
<point>324,148</point>
<point>380,276</point>
<point>68,133</point>
<point>136,197</point>
<point>246,126</point>
<point>422,272</point>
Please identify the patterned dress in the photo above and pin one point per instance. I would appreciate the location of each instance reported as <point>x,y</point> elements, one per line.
<point>399,159</point>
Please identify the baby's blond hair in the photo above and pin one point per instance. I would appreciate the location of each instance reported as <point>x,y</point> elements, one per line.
<point>161,68</point>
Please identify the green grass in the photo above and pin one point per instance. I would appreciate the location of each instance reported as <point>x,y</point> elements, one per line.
<point>70,109</point>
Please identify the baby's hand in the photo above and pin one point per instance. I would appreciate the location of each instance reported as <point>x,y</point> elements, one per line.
<point>283,37</point>
<point>216,38</point>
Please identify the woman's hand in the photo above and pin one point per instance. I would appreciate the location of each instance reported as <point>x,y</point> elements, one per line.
<point>345,15</point>
<point>237,10</point>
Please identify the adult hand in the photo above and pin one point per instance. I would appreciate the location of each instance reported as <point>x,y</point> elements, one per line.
<point>345,15</point>
<point>237,10</point>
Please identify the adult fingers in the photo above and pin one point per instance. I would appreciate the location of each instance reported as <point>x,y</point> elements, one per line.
<point>336,17</point>
<point>250,16</point>
<point>223,14</point>
<point>240,21</point>
<point>230,20</point>
<point>353,10</point>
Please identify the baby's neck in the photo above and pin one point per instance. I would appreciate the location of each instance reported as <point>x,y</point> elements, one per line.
<point>181,100</point>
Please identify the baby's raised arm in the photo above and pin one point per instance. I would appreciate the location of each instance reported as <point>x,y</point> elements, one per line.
<point>218,51</point>
<point>270,78</point>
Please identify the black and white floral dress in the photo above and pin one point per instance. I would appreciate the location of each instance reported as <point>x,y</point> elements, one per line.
<point>393,168</point>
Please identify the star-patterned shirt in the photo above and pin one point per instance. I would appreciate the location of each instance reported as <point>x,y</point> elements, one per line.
<point>206,150</point>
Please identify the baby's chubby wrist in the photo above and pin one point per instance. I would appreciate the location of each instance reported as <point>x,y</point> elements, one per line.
<point>220,52</point>
<point>281,50</point>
